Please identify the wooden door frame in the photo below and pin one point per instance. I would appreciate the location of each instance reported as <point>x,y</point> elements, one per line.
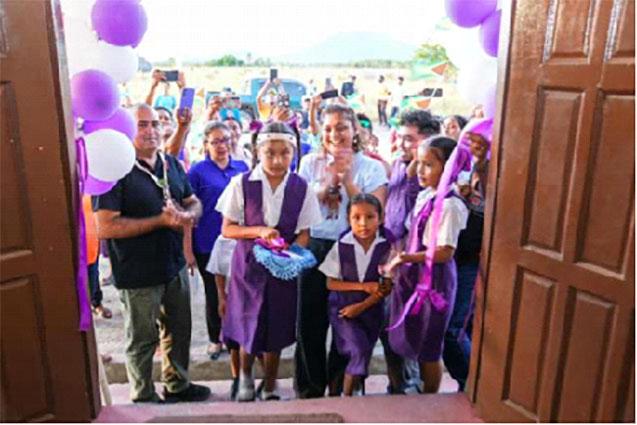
<point>62,90</point>
<point>59,66</point>
<point>508,14</point>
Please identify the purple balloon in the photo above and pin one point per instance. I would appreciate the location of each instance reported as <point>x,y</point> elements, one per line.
<point>469,13</point>
<point>93,186</point>
<point>119,22</point>
<point>94,95</point>
<point>121,121</point>
<point>490,33</point>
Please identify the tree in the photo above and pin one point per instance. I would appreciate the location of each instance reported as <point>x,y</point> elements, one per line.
<point>432,53</point>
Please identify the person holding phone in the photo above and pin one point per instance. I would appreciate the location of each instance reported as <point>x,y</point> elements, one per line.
<point>165,100</point>
<point>335,175</point>
<point>268,96</point>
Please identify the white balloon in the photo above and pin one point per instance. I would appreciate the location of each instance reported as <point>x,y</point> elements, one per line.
<point>477,79</point>
<point>489,100</point>
<point>81,45</point>
<point>110,155</point>
<point>120,62</point>
<point>78,9</point>
<point>463,47</point>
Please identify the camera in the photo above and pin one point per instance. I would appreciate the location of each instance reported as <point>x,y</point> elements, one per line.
<point>283,100</point>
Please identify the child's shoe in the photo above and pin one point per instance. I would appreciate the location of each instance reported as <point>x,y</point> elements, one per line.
<point>246,389</point>
<point>267,395</point>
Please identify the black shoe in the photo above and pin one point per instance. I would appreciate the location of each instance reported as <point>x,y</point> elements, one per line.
<point>194,392</point>
<point>234,388</point>
<point>152,399</point>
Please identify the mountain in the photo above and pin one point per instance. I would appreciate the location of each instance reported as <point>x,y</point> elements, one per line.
<point>350,47</point>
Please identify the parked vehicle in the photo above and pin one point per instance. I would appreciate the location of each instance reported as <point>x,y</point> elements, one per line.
<point>251,87</point>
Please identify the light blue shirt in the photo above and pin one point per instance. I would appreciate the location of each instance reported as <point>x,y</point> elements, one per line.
<point>369,174</point>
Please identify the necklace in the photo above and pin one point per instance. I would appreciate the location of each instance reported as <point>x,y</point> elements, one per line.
<point>161,183</point>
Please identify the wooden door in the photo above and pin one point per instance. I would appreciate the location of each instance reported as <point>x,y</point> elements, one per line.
<point>557,342</point>
<point>44,359</point>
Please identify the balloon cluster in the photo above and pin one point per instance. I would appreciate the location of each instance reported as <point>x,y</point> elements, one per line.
<point>101,36</point>
<point>474,49</point>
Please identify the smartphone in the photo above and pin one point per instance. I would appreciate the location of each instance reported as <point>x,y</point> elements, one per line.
<point>187,98</point>
<point>283,100</point>
<point>172,75</point>
<point>274,74</point>
<point>329,94</point>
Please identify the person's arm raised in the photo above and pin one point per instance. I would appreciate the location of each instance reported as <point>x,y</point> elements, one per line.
<point>313,112</point>
<point>176,142</point>
<point>262,92</point>
<point>157,77</point>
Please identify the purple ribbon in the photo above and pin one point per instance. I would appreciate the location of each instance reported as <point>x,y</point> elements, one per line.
<point>459,161</point>
<point>81,284</point>
<point>257,125</point>
<point>277,246</point>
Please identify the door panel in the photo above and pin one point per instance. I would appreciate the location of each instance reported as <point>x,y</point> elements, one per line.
<point>45,373</point>
<point>557,342</point>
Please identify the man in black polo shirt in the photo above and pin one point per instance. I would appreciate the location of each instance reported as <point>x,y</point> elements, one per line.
<point>142,218</point>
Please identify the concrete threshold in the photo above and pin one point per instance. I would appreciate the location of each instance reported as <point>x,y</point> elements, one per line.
<point>375,407</point>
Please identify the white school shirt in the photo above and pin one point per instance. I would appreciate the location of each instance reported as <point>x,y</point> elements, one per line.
<point>231,202</point>
<point>453,220</point>
<point>221,257</point>
<point>368,174</point>
<point>331,266</point>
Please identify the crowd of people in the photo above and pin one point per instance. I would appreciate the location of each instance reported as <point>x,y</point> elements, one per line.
<point>314,179</point>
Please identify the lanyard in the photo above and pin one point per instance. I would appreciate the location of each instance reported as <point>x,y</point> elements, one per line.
<point>163,183</point>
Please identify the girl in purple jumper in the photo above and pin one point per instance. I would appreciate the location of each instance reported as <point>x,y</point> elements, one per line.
<point>420,336</point>
<point>268,202</point>
<point>355,300</point>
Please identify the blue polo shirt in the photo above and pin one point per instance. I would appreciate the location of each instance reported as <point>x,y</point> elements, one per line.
<point>208,181</point>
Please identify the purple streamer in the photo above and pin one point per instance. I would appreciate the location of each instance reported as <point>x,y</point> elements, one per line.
<point>255,126</point>
<point>81,284</point>
<point>459,161</point>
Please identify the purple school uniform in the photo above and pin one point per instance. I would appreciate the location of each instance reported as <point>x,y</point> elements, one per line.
<point>356,338</point>
<point>402,194</point>
<point>420,337</point>
<point>261,312</point>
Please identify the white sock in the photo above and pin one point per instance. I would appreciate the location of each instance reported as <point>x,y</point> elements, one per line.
<point>244,376</point>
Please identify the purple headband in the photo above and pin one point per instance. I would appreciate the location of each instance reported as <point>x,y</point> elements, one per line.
<point>483,127</point>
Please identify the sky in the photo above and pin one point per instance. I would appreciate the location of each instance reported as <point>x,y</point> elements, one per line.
<point>191,29</point>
